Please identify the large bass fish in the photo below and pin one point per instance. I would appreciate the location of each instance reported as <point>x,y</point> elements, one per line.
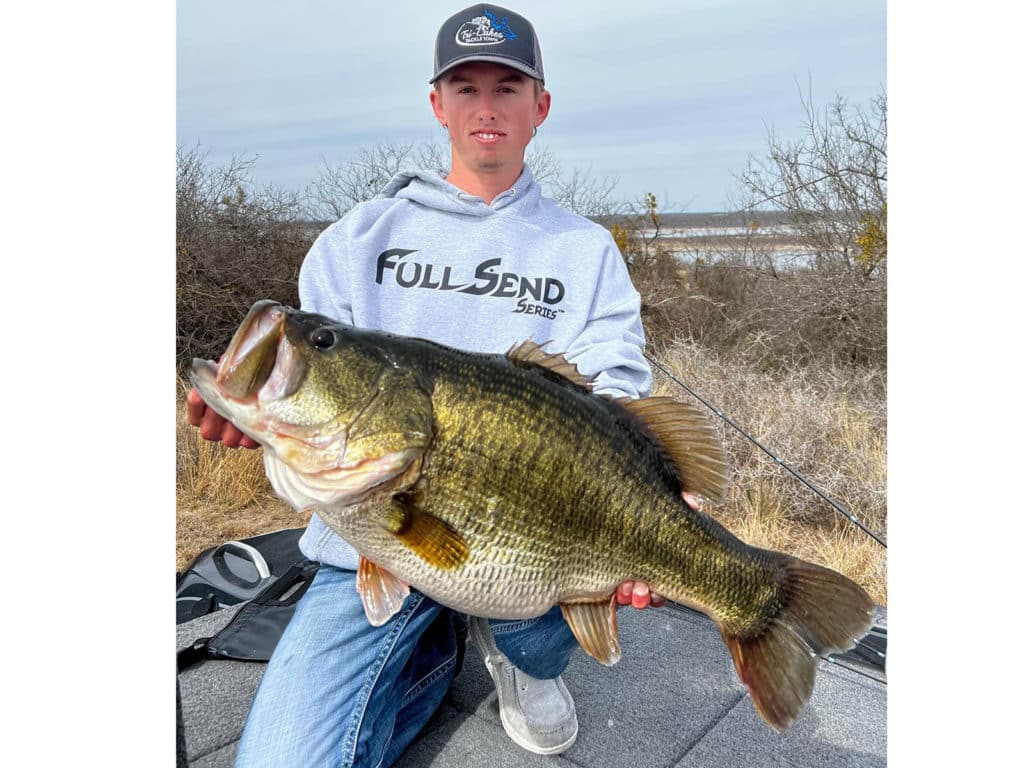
<point>499,486</point>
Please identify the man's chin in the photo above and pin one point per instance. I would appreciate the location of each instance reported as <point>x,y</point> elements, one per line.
<point>491,163</point>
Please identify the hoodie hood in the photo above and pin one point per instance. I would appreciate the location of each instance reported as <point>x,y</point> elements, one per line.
<point>431,189</point>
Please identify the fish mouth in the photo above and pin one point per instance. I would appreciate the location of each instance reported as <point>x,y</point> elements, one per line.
<point>250,358</point>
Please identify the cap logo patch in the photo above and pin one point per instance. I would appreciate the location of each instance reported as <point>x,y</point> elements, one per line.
<point>485,30</point>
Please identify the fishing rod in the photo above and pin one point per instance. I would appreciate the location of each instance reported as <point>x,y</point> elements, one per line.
<point>721,414</point>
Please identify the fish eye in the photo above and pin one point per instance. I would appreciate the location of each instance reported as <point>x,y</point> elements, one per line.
<point>324,338</point>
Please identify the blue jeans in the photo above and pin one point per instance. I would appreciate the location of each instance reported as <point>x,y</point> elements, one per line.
<point>340,692</point>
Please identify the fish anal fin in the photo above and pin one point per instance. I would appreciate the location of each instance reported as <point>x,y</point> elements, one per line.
<point>381,591</point>
<point>530,354</point>
<point>430,537</point>
<point>596,627</point>
<point>689,439</point>
<point>823,613</point>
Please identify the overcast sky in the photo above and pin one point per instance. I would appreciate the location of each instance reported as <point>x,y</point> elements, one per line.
<point>669,97</point>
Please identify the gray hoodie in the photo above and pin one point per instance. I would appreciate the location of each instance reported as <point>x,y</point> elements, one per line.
<point>429,260</point>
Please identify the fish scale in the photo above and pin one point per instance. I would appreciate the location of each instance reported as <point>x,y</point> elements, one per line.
<point>539,506</point>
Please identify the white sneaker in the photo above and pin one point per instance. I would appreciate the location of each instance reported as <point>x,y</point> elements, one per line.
<point>538,715</point>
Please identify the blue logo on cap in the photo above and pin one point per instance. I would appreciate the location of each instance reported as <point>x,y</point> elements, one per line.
<point>500,25</point>
<point>485,30</point>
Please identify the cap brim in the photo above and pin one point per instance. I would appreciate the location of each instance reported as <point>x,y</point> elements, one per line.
<point>526,69</point>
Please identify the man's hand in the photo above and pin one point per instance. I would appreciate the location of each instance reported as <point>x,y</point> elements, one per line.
<point>213,426</point>
<point>638,593</point>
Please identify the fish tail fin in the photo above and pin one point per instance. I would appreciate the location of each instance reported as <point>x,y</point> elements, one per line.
<point>822,613</point>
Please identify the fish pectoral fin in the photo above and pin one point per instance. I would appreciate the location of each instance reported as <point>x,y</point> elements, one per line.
<point>430,537</point>
<point>381,591</point>
<point>596,628</point>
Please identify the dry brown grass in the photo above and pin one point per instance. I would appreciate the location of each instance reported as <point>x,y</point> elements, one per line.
<point>222,493</point>
<point>829,425</point>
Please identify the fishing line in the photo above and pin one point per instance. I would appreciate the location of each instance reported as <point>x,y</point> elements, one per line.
<point>861,647</point>
<point>721,414</point>
<point>851,668</point>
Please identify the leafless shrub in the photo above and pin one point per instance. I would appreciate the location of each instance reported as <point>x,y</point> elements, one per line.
<point>579,191</point>
<point>811,287</point>
<point>431,156</point>
<point>783,318</point>
<point>236,244</point>
<point>582,193</point>
<point>832,183</point>
<point>341,187</point>
<point>544,167</point>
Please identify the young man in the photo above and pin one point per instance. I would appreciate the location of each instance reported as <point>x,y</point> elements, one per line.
<point>480,261</point>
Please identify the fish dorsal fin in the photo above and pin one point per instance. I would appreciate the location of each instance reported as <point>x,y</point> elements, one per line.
<point>530,354</point>
<point>381,591</point>
<point>689,439</point>
<point>596,627</point>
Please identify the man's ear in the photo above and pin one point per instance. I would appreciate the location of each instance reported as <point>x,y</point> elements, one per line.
<point>543,108</point>
<point>435,102</point>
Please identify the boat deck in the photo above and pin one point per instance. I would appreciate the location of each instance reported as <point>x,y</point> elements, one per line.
<point>673,701</point>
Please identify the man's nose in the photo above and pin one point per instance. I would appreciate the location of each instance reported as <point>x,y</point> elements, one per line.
<point>486,109</point>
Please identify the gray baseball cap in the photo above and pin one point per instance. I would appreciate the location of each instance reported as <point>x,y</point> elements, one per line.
<point>487,33</point>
